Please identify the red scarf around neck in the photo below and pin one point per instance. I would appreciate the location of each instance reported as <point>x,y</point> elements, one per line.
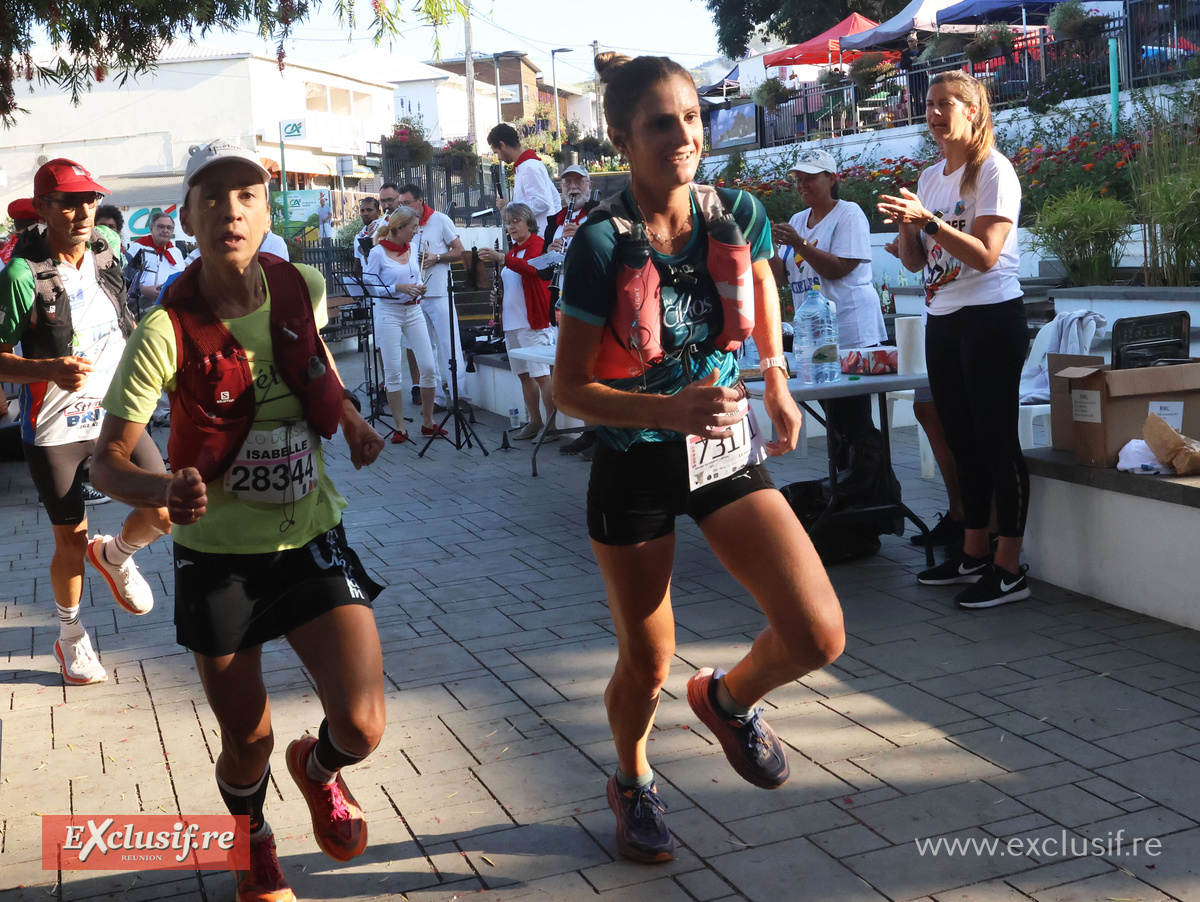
<point>428,211</point>
<point>525,155</point>
<point>148,241</point>
<point>389,245</point>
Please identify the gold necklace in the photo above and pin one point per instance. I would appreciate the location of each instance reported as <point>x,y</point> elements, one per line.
<point>658,239</point>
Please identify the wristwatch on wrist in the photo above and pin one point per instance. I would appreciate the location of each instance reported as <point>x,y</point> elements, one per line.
<point>767,362</point>
<point>935,223</point>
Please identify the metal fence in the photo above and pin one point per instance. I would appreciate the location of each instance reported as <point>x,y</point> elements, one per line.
<point>1158,42</point>
<point>333,259</point>
<point>457,192</point>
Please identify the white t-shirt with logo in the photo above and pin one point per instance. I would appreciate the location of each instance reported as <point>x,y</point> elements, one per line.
<point>435,237</point>
<point>950,284</point>
<point>64,416</point>
<point>844,232</point>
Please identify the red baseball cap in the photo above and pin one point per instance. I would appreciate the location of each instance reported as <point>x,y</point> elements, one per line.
<point>22,209</point>
<point>66,176</point>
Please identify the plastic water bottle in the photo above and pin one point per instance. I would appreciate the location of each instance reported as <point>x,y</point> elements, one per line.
<point>816,339</point>
<point>514,418</point>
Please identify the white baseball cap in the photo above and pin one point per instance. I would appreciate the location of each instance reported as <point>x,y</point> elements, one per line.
<point>220,151</point>
<point>814,161</point>
<point>577,169</point>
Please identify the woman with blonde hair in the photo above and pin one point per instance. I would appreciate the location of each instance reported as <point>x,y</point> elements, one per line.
<point>960,229</point>
<point>645,351</point>
<point>398,317</point>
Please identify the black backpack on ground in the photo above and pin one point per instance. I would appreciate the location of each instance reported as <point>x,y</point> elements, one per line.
<point>867,482</point>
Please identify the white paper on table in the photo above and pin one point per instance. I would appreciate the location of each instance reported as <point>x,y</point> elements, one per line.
<point>545,261</point>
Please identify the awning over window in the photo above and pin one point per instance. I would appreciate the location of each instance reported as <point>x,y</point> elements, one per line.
<point>143,190</point>
<point>298,161</point>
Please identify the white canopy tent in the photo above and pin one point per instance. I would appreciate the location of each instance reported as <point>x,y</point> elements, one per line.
<point>919,15</point>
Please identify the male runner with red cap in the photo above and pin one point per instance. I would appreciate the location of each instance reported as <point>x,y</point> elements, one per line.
<point>62,299</point>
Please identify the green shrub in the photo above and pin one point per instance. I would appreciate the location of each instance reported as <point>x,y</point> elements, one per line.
<point>1084,231</point>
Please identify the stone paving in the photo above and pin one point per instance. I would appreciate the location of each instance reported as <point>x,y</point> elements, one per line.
<point>1061,718</point>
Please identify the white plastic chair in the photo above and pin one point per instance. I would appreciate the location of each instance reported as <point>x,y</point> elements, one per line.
<point>1036,359</point>
<point>928,464</point>
<point>1029,413</point>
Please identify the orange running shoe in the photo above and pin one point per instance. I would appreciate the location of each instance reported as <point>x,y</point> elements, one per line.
<point>337,821</point>
<point>264,881</point>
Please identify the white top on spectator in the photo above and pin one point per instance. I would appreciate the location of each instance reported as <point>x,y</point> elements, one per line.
<point>950,284</point>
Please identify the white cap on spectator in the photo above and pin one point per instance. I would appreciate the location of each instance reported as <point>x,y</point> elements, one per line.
<point>220,151</point>
<point>577,169</point>
<point>814,161</point>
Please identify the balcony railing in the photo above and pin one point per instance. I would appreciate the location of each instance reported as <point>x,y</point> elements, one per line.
<point>1154,45</point>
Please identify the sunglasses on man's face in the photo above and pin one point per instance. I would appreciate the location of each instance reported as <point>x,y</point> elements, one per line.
<point>74,200</point>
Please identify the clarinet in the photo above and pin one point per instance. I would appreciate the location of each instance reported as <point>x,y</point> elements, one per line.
<point>556,279</point>
<point>497,292</point>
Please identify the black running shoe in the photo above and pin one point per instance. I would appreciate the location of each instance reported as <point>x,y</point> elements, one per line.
<point>995,588</point>
<point>945,532</point>
<point>957,568</point>
<point>642,835</point>
<point>750,745</point>
<point>416,395</point>
<point>92,497</point>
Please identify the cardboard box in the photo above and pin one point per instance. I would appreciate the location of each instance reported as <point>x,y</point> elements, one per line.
<point>1062,433</point>
<point>1109,407</point>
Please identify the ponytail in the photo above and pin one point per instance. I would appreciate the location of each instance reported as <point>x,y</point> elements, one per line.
<point>970,91</point>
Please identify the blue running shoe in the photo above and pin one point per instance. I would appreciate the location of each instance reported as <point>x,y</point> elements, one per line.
<point>749,743</point>
<point>641,833</point>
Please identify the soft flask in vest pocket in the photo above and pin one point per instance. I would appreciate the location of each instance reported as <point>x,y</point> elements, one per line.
<point>637,315</point>
<point>729,266</point>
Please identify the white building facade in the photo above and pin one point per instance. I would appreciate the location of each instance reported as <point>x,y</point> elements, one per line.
<point>136,138</point>
<point>438,97</point>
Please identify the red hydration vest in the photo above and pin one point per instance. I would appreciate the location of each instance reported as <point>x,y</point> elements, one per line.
<point>213,405</point>
<point>633,343</point>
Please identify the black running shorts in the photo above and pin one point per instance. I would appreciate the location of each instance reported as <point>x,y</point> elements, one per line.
<point>225,603</point>
<point>635,495</point>
<point>57,472</point>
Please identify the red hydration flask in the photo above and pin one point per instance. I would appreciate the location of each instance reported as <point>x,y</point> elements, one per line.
<point>637,317</point>
<point>730,267</point>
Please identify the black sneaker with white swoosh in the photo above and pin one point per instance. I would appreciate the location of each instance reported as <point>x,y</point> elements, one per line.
<point>997,587</point>
<point>957,568</point>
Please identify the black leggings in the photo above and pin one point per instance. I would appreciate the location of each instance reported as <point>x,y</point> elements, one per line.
<point>975,357</point>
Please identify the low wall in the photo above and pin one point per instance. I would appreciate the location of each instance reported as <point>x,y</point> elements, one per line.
<point>1125,539</point>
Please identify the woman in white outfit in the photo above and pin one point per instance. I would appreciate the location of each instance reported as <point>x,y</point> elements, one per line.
<point>398,317</point>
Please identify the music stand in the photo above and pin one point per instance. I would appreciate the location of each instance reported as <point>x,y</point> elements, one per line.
<point>463,433</point>
<point>364,289</point>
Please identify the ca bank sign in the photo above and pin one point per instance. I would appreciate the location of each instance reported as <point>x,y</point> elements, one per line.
<point>292,130</point>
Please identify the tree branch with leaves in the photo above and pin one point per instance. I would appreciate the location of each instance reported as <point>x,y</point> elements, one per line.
<point>792,21</point>
<point>94,39</point>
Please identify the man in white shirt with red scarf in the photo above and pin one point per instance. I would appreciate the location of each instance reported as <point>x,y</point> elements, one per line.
<point>532,185</point>
<point>159,257</point>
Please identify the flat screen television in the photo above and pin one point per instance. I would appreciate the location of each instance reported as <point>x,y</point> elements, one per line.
<point>735,126</point>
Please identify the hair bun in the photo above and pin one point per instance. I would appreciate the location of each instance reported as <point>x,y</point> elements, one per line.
<point>609,63</point>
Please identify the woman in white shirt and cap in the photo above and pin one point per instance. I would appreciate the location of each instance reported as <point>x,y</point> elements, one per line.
<point>830,243</point>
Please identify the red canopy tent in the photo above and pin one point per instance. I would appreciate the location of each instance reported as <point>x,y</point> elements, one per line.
<point>824,48</point>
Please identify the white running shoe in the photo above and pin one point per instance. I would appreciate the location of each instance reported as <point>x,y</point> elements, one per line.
<point>129,588</point>
<point>80,665</point>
